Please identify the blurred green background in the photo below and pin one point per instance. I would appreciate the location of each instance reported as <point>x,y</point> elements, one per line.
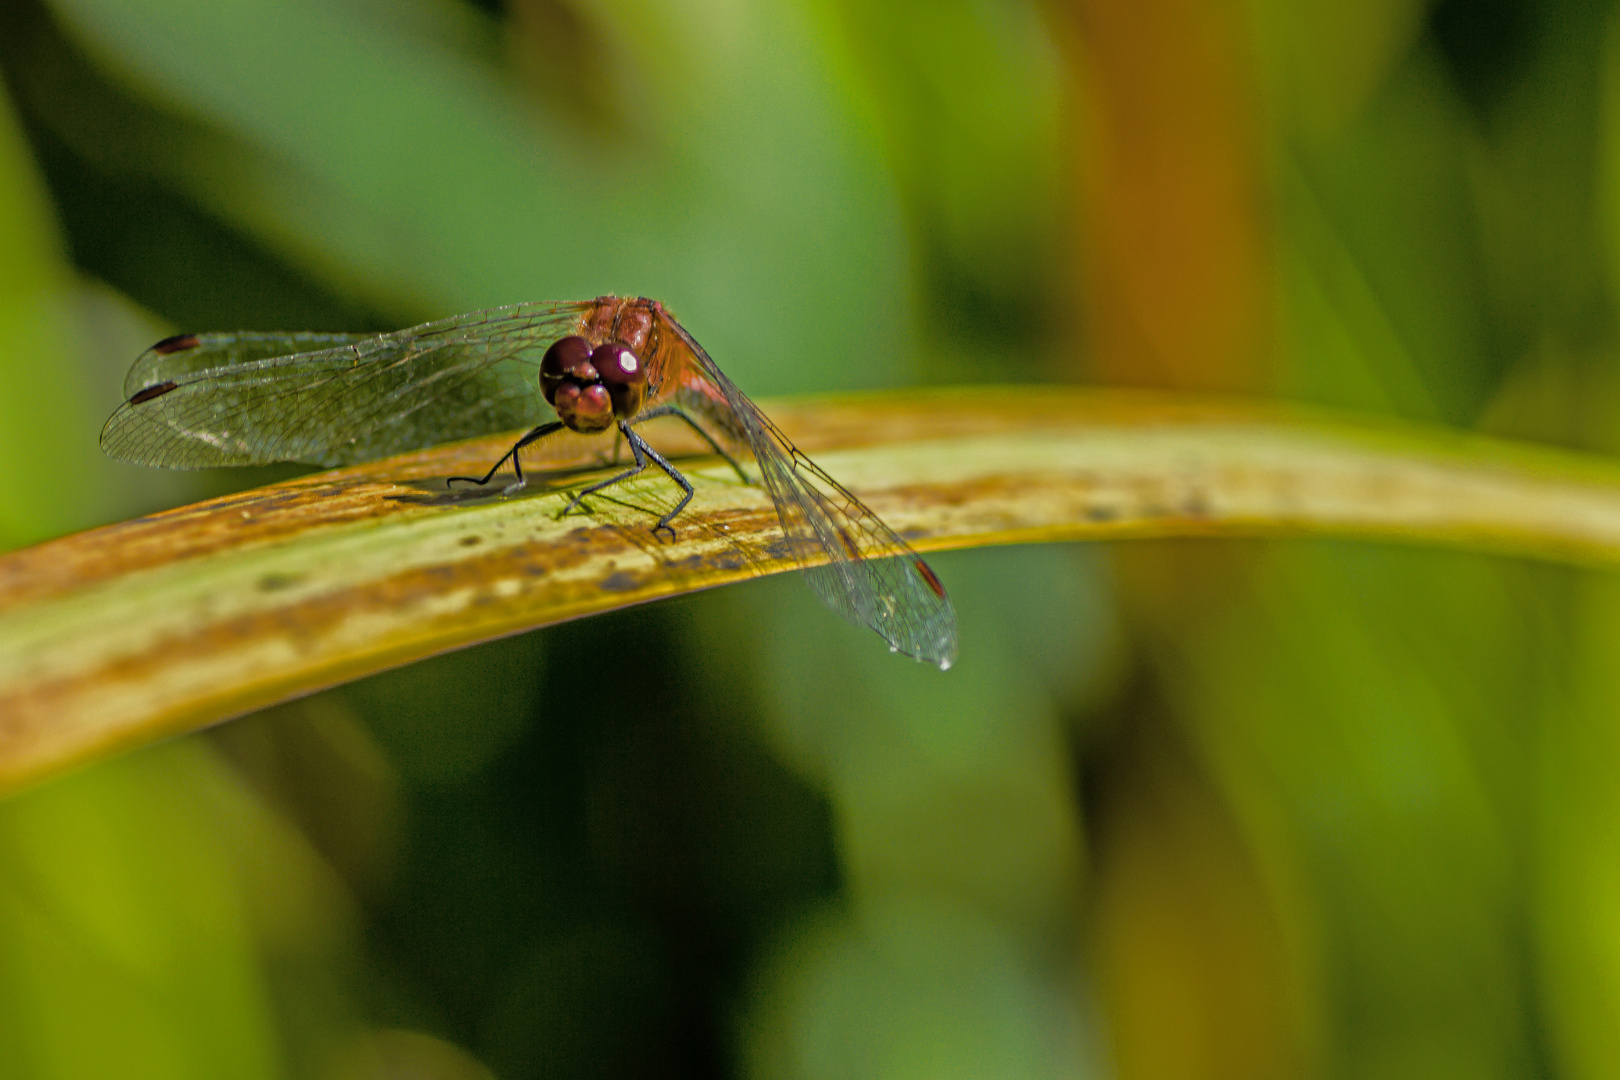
<point>1209,809</point>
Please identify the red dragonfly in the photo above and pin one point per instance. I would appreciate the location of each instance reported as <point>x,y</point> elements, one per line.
<point>203,400</point>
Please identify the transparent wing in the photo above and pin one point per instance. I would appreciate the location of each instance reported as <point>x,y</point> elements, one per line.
<point>871,577</point>
<point>179,357</point>
<point>204,400</point>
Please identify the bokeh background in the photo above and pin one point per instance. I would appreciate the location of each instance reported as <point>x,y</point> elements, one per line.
<point>1212,809</point>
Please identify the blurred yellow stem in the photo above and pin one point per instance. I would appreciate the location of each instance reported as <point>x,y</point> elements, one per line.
<point>122,635</point>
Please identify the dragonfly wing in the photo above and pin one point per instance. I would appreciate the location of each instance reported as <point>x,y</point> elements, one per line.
<point>184,355</point>
<point>874,578</point>
<point>241,399</point>
<point>870,575</point>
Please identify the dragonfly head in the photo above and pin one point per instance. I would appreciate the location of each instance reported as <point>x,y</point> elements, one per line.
<point>587,387</point>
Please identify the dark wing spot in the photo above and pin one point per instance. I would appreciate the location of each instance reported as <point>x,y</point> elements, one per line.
<point>930,579</point>
<point>849,545</point>
<point>177,343</point>
<point>157,390</point>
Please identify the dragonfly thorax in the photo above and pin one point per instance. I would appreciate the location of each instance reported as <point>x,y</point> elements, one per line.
<point>588,387</point>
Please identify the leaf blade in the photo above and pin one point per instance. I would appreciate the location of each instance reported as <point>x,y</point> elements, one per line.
<point>115,637</point>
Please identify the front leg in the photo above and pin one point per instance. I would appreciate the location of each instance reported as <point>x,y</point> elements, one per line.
<point>517,466</point>
<point>641,464</point>
<point>639,445</point>
<point>645,455</point>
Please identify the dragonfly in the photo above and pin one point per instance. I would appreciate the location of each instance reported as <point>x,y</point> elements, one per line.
<point>613,363</point>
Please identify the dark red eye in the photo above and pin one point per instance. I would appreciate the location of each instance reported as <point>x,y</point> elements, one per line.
<point>617,365</point>
<point>568,359</point>
<point>623,374</point>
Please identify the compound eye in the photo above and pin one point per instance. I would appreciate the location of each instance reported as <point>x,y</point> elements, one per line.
<point>617,364</point>
<point>568,360</point>
<point>624,375</point>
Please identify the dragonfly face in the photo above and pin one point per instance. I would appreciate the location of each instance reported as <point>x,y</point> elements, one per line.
<point>588,387</point>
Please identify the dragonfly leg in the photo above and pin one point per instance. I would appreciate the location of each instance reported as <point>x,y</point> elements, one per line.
<point>645,455</point>
<point>673,473</point>
<point>641,463</point>
<point>537,433</point>
<point>676,410</point>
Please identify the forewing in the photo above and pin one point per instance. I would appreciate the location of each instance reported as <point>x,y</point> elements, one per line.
<point>871,577</point>
<point>184,355</point>
<point>333,399</point>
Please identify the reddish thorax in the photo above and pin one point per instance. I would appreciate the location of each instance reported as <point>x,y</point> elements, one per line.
<point>651,332</point>
<point>644,326</point>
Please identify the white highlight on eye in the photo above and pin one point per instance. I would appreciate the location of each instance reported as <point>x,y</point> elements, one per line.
<point>627,360</point>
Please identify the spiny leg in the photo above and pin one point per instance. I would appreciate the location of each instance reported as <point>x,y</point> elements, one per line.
<point>517,467</point>
<point>677,411</point>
